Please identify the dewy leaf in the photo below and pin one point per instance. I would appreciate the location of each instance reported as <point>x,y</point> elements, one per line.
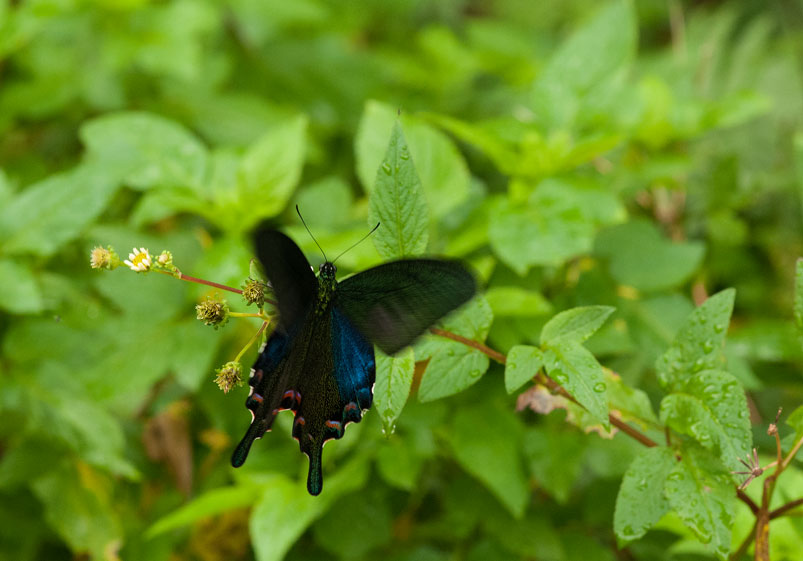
<point>20,293</point>
<point>711,408</point>
<point>702,495</point>
<point>398,204</point>
<point>454,366</point>
<point>799,298</point>
<point>575,325</point>
<point>441,168</point>
<point>147,150</point>
<point>270,170</point>
<point>631,404</point>
<point>639,256</point>
<point>394,376</point>
<point>641,501</point>
<point>523,362</point>
<point>54,211</point>
<point>485,440</point>
<point>698,344</point>
<point>572,366</point>
<point>285,509</point>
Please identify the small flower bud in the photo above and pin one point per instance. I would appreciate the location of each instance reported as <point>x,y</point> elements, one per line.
<point>254,292</point>
<point>229,376</point>
<point>213,311</point>
<point>165,259</point>
<point>104,258</point>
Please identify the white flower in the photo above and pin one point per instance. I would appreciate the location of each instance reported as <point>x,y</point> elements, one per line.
<point>139,260</point>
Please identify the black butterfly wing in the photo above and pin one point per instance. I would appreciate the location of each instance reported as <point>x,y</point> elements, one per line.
<point>275,371</point>
<point>324,374</point>
<point>293,281</point>
<point>315,363</point>
<point>394,303</point>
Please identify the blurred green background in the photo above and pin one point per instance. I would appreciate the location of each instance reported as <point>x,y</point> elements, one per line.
<point>634,154</point>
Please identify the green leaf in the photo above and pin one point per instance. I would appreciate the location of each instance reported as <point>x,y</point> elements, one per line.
<point>454,366</point>
<point>795,420</point>
<point>799,297</point>
<point>556,222</point>
<point>269,171</point>
<point>285,509</point>
<point>398,204</point>
<point>595,51</point>
<point>208,504</point>
<point>398,463</point>
<point>21,293</point>
<point>641,501</point>
<point>711,408</point>
<point>630,403</point>
<point>514,301</point>
<point>698,344</point>
<point>493,145</point>
<point>575,325</point>
<point>147,150</point>
<point>639,256</point>
<point>394,377</point>
<point>368,526</point>
<point>523,362</point>
<point>54,211</point>
<point>702,495</point>
<point>555,459</point>
<point>572,366</point>
<point>441,168</point>
<point>485,443</point>
<point>78,508</point>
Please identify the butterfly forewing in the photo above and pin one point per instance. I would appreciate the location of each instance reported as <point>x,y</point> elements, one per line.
<point>294,284</point>
<point>393,304</point>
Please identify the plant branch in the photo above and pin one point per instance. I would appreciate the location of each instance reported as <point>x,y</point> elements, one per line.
<point>495,355</point>
<point>751,504</point>
<point>748,539</point>
<point>792,453</point>
<point>253,339</point>
<point>781,510</point>
<point>181,276</point>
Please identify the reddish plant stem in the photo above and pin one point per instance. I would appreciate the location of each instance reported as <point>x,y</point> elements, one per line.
<point>182,276</point>
<point>495,355</point>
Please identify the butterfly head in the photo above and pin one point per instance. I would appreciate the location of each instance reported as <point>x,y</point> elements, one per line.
<point>328,271</point>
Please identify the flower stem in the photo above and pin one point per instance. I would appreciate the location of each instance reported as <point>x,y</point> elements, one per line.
<point>182,276</point>
<point>253,339</point>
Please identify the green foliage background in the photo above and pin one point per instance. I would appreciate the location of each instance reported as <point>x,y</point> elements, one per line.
<point>620,160</point>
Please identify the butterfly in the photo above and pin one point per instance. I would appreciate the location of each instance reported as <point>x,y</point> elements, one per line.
<point>319,360</point>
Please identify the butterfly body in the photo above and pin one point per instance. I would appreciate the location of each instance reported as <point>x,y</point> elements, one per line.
<point>319,361</point>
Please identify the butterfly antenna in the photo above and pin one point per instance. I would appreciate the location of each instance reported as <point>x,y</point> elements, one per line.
<point>310,235</point>
<point>359,242</point>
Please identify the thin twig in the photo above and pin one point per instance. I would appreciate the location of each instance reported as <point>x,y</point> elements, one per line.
<point>791,455</point>
<point>253,339</point>
<point>748,539</point>
<point>181,276</point>
<point>751,504</point>
<point>781,510</point>
<point>495,355</point>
